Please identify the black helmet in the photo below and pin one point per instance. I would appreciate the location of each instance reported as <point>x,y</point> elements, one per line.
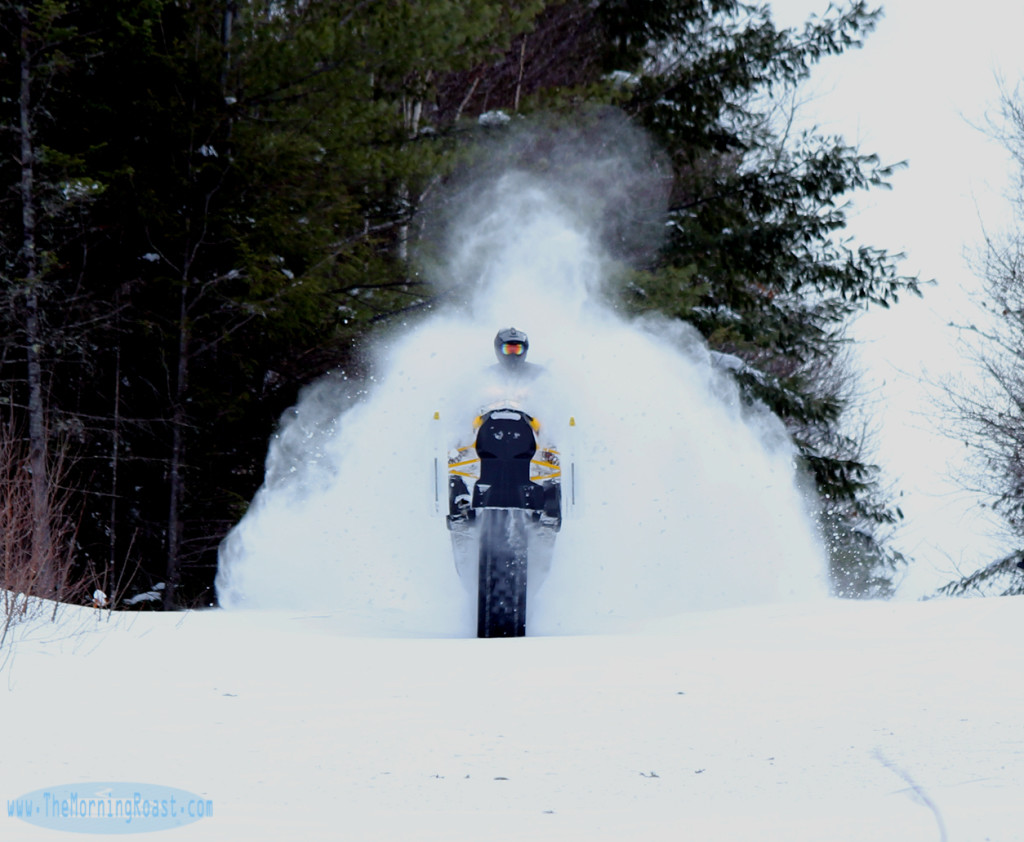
<point>510,346</point>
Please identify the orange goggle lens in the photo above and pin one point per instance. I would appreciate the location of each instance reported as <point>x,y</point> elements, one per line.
<point>513,349</point>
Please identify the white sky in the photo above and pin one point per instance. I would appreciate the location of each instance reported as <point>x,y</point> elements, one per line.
<point>917,91</point>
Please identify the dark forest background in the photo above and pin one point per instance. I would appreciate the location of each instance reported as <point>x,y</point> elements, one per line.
<point>206,205</point>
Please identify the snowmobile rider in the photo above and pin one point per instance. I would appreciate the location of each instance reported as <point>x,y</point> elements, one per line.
<point>510,347</point>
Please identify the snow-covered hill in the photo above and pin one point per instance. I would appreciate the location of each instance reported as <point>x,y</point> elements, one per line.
<point>825,721</point>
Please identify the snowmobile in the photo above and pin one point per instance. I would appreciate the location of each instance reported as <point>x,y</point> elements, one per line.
<point>504,510</point>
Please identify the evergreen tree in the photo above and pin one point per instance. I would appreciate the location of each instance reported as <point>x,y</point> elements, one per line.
<point>755,256</point>
<point>252,221</point>
<point>59,119</point>
<point>42,49</point>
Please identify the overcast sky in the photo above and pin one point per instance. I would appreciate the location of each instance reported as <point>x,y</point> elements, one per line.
<point>919,90</point>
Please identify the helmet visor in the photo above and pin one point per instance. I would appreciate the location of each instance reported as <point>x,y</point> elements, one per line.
<point>513,349</point>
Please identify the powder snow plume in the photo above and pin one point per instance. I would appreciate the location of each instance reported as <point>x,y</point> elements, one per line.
<point>687,500</point>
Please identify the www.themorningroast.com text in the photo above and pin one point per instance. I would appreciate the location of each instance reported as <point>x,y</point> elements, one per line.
<point>112,808</point>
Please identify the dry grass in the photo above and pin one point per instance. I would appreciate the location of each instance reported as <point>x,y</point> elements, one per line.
<point>31,574</point>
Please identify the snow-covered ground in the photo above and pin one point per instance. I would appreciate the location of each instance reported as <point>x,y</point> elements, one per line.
<point>828,720</point>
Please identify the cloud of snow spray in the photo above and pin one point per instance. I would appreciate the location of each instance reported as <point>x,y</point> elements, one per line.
<point>686,500</point>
